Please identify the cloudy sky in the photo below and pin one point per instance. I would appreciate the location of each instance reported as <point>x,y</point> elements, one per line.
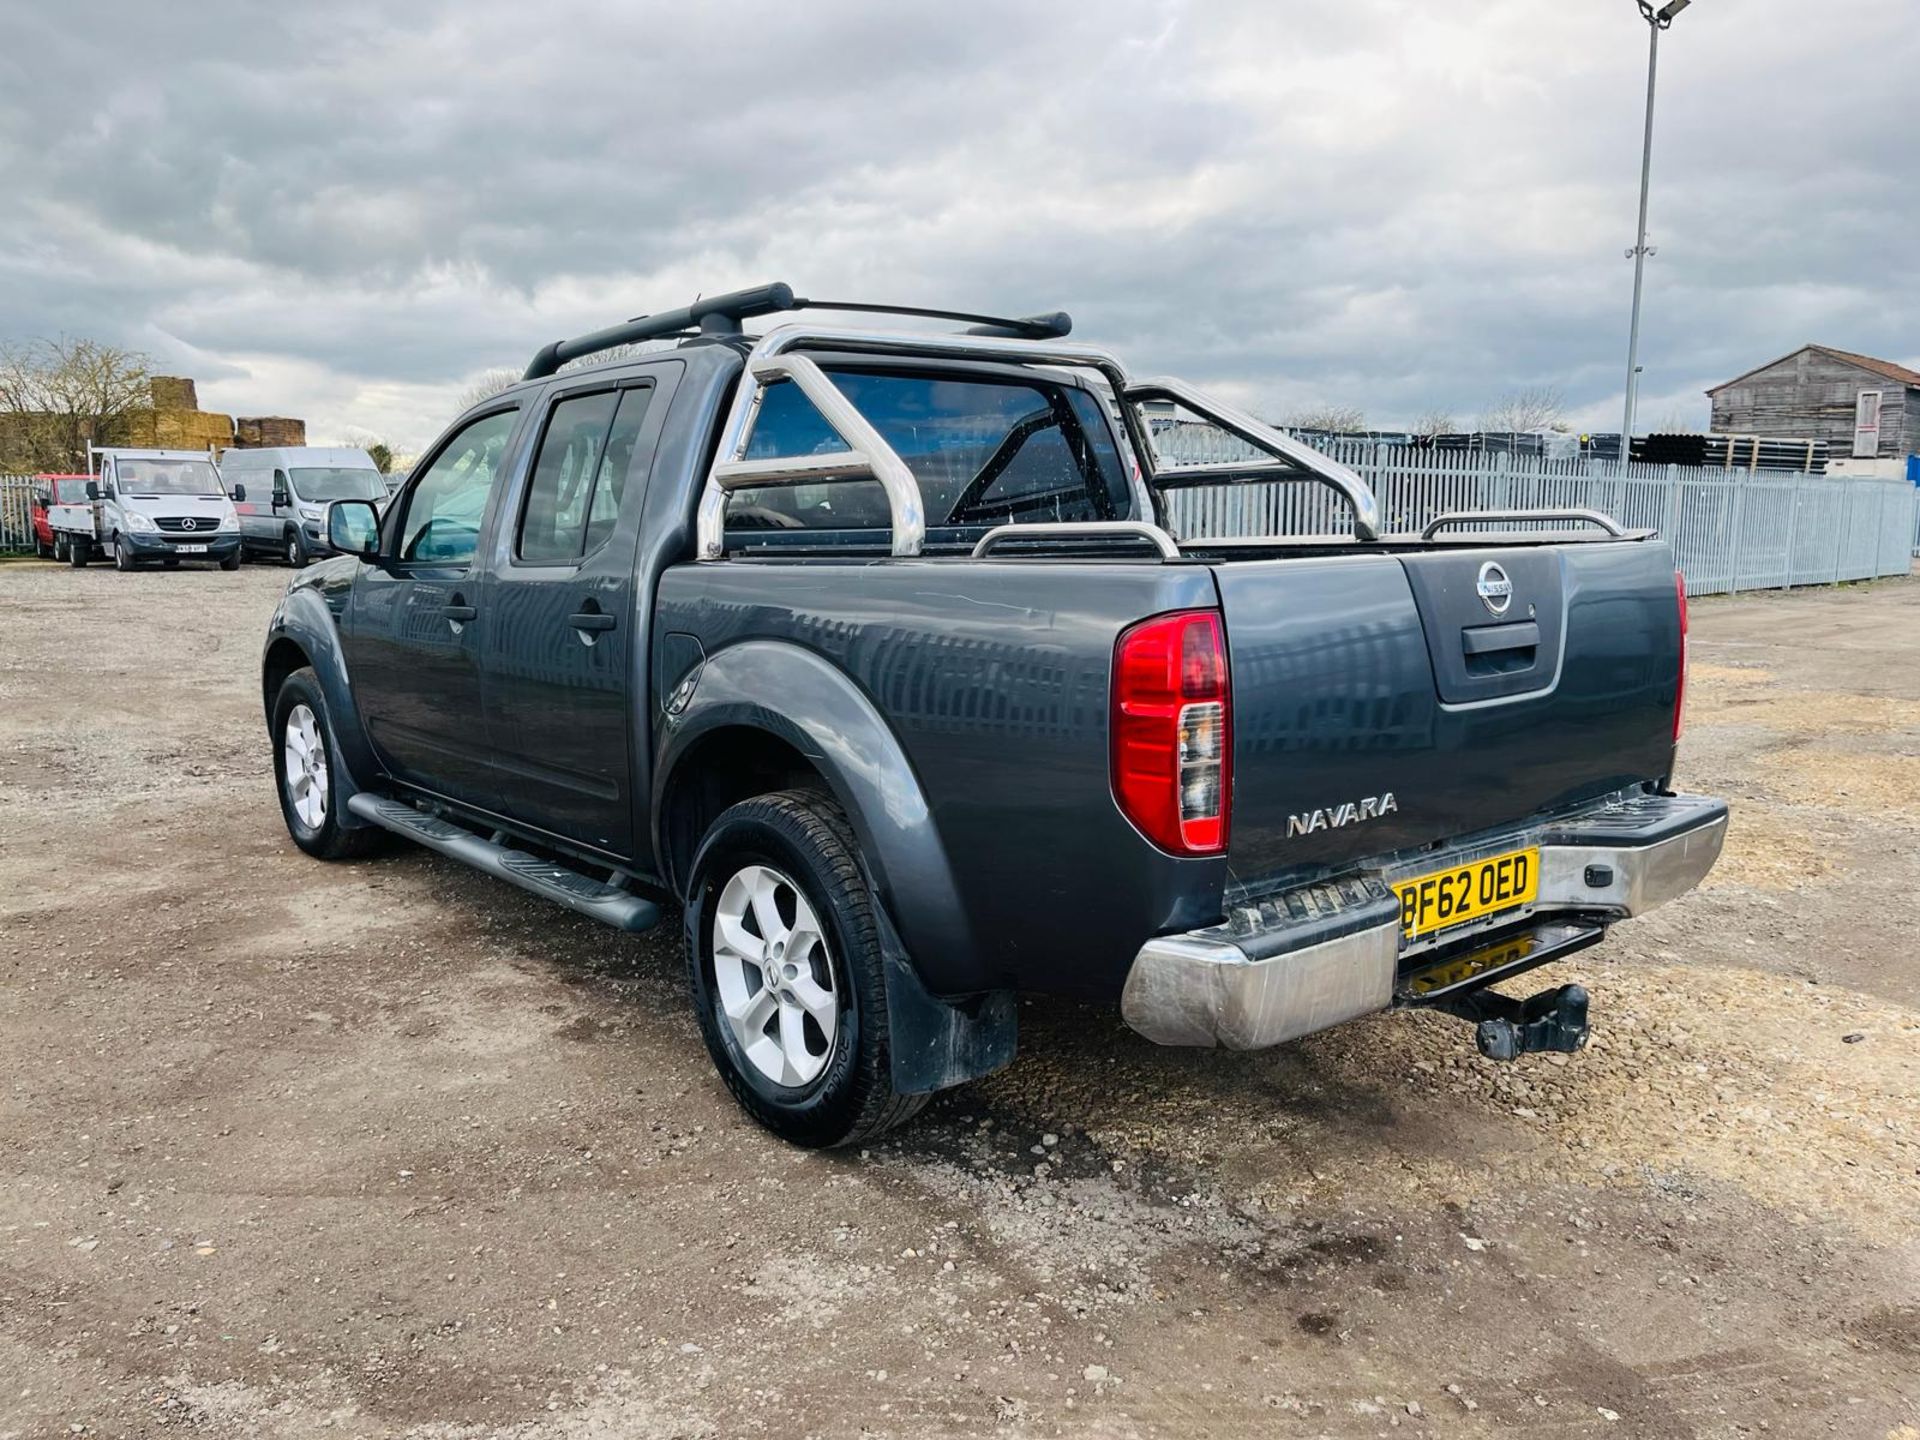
<point>345,212</point>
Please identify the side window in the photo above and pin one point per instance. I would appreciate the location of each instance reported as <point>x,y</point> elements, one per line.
<point>610,485</point>
<point>580,475</point>
<point>444,510</point>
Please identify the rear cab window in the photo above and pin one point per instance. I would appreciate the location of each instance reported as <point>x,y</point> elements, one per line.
<point>986,450</point>
<point>580,475</point>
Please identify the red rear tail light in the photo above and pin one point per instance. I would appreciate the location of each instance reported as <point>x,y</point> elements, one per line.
<point>1680,686</point>
<point>1172,731</point>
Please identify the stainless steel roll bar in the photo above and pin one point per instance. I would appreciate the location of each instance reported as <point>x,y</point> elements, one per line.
<point>1289,455</point>
<point>1507,517</point>
<point>1081,530</point>
<point>868,456</point>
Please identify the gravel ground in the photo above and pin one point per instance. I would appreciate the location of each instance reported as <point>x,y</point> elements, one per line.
<point>390,1150</point>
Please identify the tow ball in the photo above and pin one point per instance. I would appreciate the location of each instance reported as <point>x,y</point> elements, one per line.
<point>1505,1028</point>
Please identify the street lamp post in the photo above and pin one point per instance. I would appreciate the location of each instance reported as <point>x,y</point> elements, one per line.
<point>1657,20</point>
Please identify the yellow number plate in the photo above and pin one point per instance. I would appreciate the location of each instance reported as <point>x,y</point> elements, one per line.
<point>1452,897</point>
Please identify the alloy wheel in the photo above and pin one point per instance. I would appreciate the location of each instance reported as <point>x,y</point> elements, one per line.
<point>774,976</point>
<point>304,757</point>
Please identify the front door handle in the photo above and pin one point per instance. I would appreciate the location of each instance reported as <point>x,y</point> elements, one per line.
<point>590,620</point>
<point>458,612</point>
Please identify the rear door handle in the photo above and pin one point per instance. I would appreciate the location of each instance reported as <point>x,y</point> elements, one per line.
<point>1491,639</point>
<point>590,620</point>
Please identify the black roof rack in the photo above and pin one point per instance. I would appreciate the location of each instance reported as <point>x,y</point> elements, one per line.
<point>724,314</point>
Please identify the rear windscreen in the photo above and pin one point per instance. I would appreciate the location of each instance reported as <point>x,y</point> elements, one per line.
<point>985,451</point>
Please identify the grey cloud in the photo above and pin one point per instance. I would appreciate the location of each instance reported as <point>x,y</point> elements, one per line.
<point>1386,203</point>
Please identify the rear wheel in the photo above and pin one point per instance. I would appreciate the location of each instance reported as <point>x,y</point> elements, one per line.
<point>59,547</point>
<point>79,551</point>
<point>787,972</point>
<point>305,773</point>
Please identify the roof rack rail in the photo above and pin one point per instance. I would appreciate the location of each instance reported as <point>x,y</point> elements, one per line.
<point>716,314</point>
<point>724,314</point>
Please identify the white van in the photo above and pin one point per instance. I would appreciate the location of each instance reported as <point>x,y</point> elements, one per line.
<point>282,492</point>
<point>141,505</point>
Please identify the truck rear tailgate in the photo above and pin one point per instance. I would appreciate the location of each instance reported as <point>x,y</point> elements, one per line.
<point>1386,701</point>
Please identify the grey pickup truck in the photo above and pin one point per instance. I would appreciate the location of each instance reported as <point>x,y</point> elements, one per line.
<point>875,651</point>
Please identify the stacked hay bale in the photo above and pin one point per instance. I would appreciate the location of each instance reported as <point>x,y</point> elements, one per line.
<point>173,421</point>
<point>172,392</point>
<point>257,432</point>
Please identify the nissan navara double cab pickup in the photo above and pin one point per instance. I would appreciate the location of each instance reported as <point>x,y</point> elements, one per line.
<point>876,652</point>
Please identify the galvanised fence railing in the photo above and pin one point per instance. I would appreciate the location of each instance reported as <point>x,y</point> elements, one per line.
<point>1730,530</point>
<point>16,513</point>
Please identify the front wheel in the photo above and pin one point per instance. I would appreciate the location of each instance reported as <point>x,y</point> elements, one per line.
<point>231,562</point>
<point>304,771</point>
<point>122,554</point>
<point>787,972</point>
<point>296,551</point>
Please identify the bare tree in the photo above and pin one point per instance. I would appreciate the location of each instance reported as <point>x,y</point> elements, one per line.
<point>56,396</point>
<point>1335,418</point>
<point>1531,407</point>
<point>377,449</point>
<point>1436,422</point>
<point>487,385</point>
<point>1677,421</point>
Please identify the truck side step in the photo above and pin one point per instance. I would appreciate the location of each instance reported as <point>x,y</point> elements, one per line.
<point>547,878</point>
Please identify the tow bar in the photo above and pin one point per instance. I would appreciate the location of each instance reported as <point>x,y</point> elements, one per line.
<point>1459,983</point>
<point>1505,1028</point>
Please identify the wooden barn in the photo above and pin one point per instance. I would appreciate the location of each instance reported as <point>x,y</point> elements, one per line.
<point>1862,407</point>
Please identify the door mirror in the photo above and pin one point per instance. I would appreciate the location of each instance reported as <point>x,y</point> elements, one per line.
<point>93,490</point>
<point>353,528</point>
<point>238,494</point>
<point>281,499</point>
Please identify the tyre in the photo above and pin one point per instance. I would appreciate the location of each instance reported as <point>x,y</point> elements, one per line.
<point>305,775</point>
<point>231,562</point>
<point>787,973</point>
<point>45,552</point>
<point>296,550</point>
<point>79,552</point>
<point>123,555</point>
<point>59,548</point>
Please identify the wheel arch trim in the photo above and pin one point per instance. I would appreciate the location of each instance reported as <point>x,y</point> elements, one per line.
<point>304,621</point>
<point>830,721</point>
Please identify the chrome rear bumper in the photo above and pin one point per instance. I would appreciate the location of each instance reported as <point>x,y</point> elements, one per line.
<point>1306,959</point>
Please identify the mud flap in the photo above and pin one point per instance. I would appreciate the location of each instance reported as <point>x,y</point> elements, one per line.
<point>934,1043</point>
